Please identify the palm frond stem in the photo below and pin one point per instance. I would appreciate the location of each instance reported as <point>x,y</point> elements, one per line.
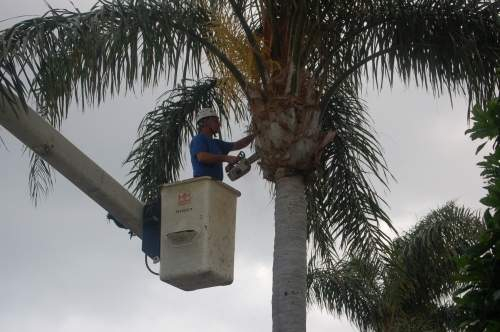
<point>296,39</point>
<point>344,75</point>
<point>240,78</point>
<point>251,40</point>
<point>271,15</point>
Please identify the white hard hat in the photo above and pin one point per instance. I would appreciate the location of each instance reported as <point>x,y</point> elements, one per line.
<point>205,113</point>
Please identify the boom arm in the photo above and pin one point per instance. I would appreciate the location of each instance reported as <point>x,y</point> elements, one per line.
<point>54,148</point>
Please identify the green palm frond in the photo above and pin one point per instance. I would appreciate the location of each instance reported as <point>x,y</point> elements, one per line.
<point>443,45</point>
<point>342,201</point>
<point>2,142</point>
<point>349,287</point>
<point>40,177</point>
<point>157,154</point>
<point>424,258</point>
<point>69,54</point>
<point>411,289</point>
<point>420,277</point>
<point>432,320</point>
<point>435,318</point>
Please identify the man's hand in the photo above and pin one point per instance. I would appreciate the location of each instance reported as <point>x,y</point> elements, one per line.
<point>231,159</point>
<point>242,143</point>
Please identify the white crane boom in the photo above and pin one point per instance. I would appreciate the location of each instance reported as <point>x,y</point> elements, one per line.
<point>61,154</point>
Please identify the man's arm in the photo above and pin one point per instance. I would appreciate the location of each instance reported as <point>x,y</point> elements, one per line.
<point>242,143</point>
<point>210,158</point>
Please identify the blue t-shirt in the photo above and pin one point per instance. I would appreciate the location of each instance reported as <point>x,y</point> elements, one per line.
<point>203,143</point>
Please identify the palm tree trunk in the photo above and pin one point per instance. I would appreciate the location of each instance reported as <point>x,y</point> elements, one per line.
<point>289,266</point>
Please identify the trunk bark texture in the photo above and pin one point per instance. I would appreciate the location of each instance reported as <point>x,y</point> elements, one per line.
<point>287,127</point>
<point>289,265</point>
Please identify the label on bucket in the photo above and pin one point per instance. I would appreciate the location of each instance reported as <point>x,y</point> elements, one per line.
<point>183,198</point>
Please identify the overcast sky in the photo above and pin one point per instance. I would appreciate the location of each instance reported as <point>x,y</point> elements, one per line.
<point>64,267</point>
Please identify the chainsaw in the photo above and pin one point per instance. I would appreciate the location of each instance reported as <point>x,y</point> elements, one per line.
<point>241,167</point>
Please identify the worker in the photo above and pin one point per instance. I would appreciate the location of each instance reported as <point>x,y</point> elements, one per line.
<point>208,153</point>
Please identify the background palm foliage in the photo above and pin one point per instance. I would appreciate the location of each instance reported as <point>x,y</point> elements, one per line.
<point>412,289</point>
<point>439,44</point>
<point>342,201</point>
<point>479,298</point>
<point>40,177</point>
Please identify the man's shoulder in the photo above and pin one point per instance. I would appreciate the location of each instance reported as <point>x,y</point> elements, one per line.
<point>198,142</point>
<point>200,139</point>
<point>199,136</point>
<point>204,140</point>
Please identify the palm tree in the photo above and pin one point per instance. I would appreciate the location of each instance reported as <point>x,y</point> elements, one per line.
<point>298,65</point>
<point>410,291</point>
